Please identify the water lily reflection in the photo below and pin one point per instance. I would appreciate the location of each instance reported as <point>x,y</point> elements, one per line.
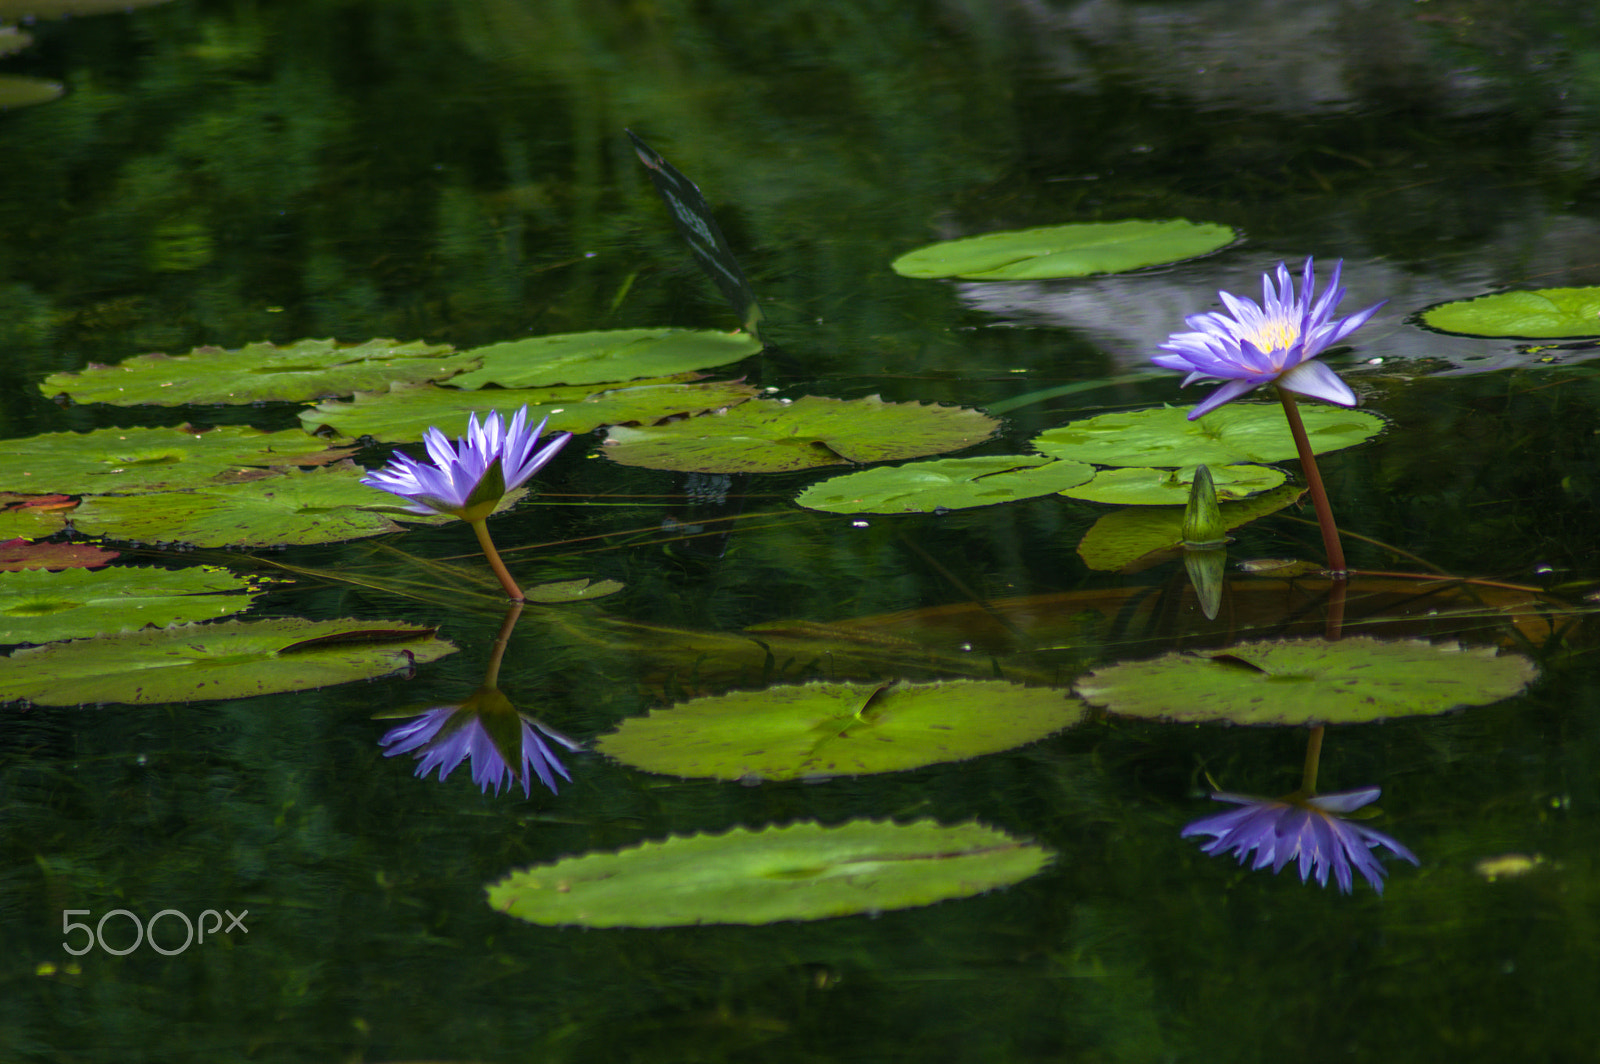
<point>1309,830</point>
<point>505,746</point>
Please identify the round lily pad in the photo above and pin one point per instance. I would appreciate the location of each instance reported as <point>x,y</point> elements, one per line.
<point>836,729</point>
<point>1309,681</point>
<point>943,484</point>
<point>223,659</point>
<point>41,607</point>
<point>1236,433</point>
<point>1540,314</point>
<point>1065,250</point>
<point>306,370</point>
<point>803,871</point>
<point>596,357</point>
<point>782,436</point>
<point>1150,486</point>
<point>1121,538</point>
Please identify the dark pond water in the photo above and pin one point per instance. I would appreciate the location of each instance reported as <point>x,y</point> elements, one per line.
<point>222,173</point>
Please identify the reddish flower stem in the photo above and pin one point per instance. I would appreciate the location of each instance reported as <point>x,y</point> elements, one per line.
<point>481,528</point>
<point>1319,496</point>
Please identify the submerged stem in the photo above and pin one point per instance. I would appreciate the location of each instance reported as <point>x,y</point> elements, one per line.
<point>481,529</point>
<point>1308,778</point>
<point>1319,496</point>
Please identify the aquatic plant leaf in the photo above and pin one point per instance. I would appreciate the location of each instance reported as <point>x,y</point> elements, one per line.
<point>1540,314</point>
<point>255,373</point>
<point>405,412</point>
<point>571,590</point>
<point>802,871</point>
<point>1153,486</point>
<point>123,461</point>
<point>222,659</point>
<point>1119,540</point>
<point>1236,433</point>
<point>838,729</point>
<point>1309,681</point>
<point>600,357</point>
<point>19,555</point>
<point>943,484</point>
<point>1065,250</point>
<point>781,436</point>
<point>20,90</point>
<point>40,607</point>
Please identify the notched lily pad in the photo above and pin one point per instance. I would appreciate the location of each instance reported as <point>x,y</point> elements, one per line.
<point>1065,250</point>
<point>198,662</point>
<point>799,872</point>
<point>600,357</point>
<point>782,436</point>
<point>835,729</point>
<point>571,590</point>
<point>1119,540</point>
<point>943,484</point>
<point>41,607</point>
<point>1236,433</point>
<point>19,555</point>
<point>1309,681</point>
<point>1149,486</point>
<point>1540,314</point>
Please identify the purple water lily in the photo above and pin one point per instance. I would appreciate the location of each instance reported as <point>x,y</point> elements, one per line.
<point>504,745</point>
<point>1275,341</point>
<point>1310,830</point>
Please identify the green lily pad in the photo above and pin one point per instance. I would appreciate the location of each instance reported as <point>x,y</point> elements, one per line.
<point>20,90</point>
<point>943,484</point>
<point>802,871</point>
<point>41,607</point>
<point>123,461</point>
<point>838,729</point>
<point>1236,433</point>
<point>223,659</point>
<point>599,357</point>
<point>1151,486</point>
<point>303,371</point>
<point>1123,537</point>
<point>1065,250</point>
<point>571,590</point>
<point>1354,680</point>
<point>407,411</point>
<point>1541,314</point>
<point>326,505</point>
<point>781,436</point>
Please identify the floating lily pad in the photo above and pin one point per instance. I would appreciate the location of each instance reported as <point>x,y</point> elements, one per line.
<point>303,371</point>
<point>1309,681</point>
<point>1236,433</point>
<point>598,357</point>
<point>781,436</point>
<point>41,607</point>
<point>123,461</point>
<point>799,872</point>
<point>1150,486</point>
<point>1065,250</point>
<point>20,90</point>
<point>1123,537</point>
<point>18,555</point>
<point>223,659</point>
<point>837,729</point>
<point>943,484</point>
<point>406,412</point>
<point>1541,314</point>
<point>571,590</point>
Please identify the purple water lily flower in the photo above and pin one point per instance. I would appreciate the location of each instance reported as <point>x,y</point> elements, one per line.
<point>468,479</point>
<point>1273,342</point>
<point>504,745</point>
<point>1310,830</point>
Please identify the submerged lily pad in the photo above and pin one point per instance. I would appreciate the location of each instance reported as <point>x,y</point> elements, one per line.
<point>223,659</point>
<point>598,357</point>
<point>780,436</point>
<point>309,369</point>
<point>1149,486</point>
<point>943,484</point>
<point>802,871</point>
<point>1123,537</point>
<point>1236,433</point>
<point>837,729</point>
<point>41,607</point>
<point>1309,681</point>
<point>1065,250</point>
<point>1541,314</point>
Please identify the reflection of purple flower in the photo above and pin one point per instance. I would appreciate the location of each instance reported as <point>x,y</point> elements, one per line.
<point>465,479</point>
<point>502,743</point>
<point>1275,341</point>
<point>1279,830</point>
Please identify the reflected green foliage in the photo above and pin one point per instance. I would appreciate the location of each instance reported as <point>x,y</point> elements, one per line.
<point>601,357</point>
<point>943,484</point>
<point>1065,250</point>
<point>1123,537</point>
<point>1239,432</point>
<point>39,607</point>
<point>1541,314</point>
<point>1152,486</point>
<point>800,872</point>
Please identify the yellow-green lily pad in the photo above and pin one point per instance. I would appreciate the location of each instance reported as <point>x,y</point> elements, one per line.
<point>1123,537</point>
<point>1235,433</point>
<point>1065,250</point>
<point>943,484</point>
<point>1152,486</point>
<point>20,90</point>
<point>802,871</point>
<point>1353,680</point>
<point>838,729</point>
<point>41,607</point>
<point>1539,314</point>
<point>223,659</point>
<point>599,357</point>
